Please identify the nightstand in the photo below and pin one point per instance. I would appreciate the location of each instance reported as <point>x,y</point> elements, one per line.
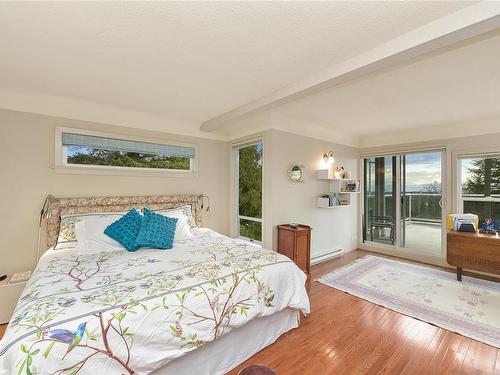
<point>295,243</point>
<point>9,294</point>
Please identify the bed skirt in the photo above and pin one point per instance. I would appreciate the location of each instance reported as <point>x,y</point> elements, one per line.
<point>230,350</point>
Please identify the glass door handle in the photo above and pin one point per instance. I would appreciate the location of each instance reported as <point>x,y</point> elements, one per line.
<point>441,203</point>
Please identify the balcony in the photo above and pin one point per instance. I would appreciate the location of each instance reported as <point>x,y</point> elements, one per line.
<point>420,223</point>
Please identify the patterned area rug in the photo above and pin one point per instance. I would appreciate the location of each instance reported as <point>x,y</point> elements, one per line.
<point>471,307</point>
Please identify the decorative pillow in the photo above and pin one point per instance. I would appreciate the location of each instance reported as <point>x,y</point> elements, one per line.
<point>126,229</point>
<point>184,210</point>
<point>182,229</point>
<point>157,231</point>
<point>67,231</point>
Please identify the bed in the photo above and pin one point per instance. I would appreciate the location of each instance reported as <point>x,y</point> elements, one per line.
<point>202,307</point>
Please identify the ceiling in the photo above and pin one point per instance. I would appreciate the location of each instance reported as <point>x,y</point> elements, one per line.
<point>456,86</point>
<point>173,65</point>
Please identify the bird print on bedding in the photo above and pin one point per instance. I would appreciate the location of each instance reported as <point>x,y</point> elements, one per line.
<point>68,337</point>
<point>113,309</point>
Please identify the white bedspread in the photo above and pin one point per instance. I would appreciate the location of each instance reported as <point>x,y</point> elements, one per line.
<point>133,312</point>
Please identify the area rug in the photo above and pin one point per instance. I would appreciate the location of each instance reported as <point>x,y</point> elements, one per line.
<point>470,307</point>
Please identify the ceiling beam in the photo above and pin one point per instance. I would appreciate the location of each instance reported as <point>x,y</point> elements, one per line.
<point>456,27</point>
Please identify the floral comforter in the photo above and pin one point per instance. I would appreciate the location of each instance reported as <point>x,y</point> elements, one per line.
<point>120,312</point>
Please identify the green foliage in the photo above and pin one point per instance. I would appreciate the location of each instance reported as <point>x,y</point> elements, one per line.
<point>250,190</point>
<point>127,159</point>
<point>251,229</point>
<point>484,177</point>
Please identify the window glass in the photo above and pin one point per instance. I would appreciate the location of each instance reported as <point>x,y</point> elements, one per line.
<point>481,177</point>
<point>251,229</point>
<point>250,191</point>
<point>89,149</point>
<point>481,187</point>
<point>93,156</point>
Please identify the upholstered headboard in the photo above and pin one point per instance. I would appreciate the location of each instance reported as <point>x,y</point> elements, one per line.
<point>63,206</point>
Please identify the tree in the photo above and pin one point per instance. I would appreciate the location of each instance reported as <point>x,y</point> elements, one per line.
<point>483,177</point>
<point>433,187</point>
<point>250,190</point>
<point>94,156</point>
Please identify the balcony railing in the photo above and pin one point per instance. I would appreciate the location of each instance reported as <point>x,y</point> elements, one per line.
<point>419,206</point>
<point>426,207</point>
<point>423,207</point>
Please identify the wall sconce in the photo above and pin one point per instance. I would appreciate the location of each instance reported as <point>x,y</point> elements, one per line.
<point>202,198</point>
<point>329,157</point>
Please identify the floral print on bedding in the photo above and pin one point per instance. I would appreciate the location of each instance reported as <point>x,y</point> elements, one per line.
<point>134,312</point>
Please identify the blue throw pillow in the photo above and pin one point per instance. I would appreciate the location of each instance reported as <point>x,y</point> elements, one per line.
<point>157,231</point>
<point>126,229</point>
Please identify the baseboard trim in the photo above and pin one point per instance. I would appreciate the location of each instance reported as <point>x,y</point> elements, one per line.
<point>324,257</point>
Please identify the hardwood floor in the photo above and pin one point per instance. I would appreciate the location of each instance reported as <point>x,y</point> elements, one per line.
<point>347,335</point>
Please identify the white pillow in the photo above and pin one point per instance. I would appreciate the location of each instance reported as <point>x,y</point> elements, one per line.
<point>186,211</point>
<point>182,228</point>
<point>91,238</point>
<point>66,238</point>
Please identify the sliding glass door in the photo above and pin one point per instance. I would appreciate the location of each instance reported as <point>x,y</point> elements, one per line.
<point>421,202</point>
<point>403,201</point>
<point>380,200</point>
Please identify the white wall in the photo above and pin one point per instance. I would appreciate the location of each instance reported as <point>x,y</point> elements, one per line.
<point>284,202</point>
<point>27,158</point>
<point>332,228</point>
<point>27,176</point>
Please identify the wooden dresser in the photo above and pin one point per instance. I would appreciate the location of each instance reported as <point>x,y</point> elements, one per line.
<point>474,251</point>
<point>295,243</point>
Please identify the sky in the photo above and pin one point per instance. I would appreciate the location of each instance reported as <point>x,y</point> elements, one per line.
<point>421,169</point>
<point>466,163</point>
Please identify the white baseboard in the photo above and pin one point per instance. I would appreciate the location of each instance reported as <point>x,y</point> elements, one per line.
<point>326,256</point>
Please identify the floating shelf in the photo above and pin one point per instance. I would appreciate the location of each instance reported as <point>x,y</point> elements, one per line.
<point>341,187</point>
<point>338,185</point>
<point>322,202</point>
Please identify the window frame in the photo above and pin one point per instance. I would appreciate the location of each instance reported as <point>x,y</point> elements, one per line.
<point>235,150</point>
<point>62,166</point>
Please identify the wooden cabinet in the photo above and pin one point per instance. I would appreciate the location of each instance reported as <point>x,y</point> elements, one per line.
<point>474,251</point>
<point>295,243</point>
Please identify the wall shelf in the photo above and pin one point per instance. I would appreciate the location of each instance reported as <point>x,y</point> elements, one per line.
<point>340,188</point>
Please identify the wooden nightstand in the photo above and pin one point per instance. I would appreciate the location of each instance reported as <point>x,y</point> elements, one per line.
<point>295,243</point>
<point>9,294</point>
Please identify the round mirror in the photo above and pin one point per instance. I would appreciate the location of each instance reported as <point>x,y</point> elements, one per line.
<point>296,173</point>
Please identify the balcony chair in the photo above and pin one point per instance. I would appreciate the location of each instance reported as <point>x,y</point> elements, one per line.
<point>378,221</point>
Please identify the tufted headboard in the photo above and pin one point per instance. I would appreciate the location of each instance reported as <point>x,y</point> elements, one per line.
<point>63,206</point>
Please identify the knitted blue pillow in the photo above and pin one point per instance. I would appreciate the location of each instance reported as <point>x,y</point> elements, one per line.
<point>157,231</point>
<point>126,229</point>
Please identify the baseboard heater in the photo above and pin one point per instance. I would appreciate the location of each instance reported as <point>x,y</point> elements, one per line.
<point>326,256</point>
